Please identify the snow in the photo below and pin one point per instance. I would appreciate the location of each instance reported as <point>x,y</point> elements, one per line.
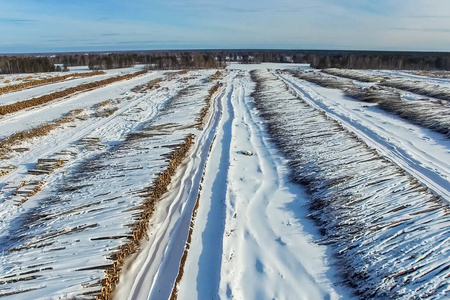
<point>68,216</point>
<point>34,117</point>
<point>152,271</point>
<point>388,233</point>
<point>251,240</point>
<point>421,152</point>
<point>302,193</point>
<point>249,228</point>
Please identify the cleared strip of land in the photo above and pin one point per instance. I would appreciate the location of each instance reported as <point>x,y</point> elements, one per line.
<point>32,83</point>
<point>427,114</point>
<point>421,87</point>
<point>387,230</point>
<point>11,108</point>
<point>123,154</point>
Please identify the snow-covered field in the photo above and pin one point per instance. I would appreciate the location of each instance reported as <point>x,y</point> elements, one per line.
<point>372,213</point>
<point>29,93</point>
<point>289,191</point>
<point>11,79</point>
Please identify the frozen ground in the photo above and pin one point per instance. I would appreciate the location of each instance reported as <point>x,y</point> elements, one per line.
<point>68,231</point>
<point>291,192</point>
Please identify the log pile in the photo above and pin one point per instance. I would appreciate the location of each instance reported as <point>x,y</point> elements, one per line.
<point>106,112</point>
<point>218,75</point>
<point>91,143</point>
<point>27,189</point>
<point>154,84</point>
<point>151,85</point>
<point>46,166</point>
<point>201,119</point>
<point>140,228</point>
<point>11,108</point>
<point>6,170</point>
<point>173,75</point>
<point>28,84</point>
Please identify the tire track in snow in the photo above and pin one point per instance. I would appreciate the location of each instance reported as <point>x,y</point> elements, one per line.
<point>123,171</point>
<point>210,259</point>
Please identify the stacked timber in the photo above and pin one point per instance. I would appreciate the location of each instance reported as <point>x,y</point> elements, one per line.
<point>46,166</point>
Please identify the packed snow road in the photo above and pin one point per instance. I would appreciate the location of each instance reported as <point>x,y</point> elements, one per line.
<point>251,238</point>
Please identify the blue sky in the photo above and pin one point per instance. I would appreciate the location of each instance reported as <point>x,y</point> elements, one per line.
<point>97,25</point>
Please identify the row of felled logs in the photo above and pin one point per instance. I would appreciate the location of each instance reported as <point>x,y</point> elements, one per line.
<point>140,228</point>
<point>4,172</point>
<point>11,108</point>
<point>46,166</point>
<point>36,189</point>
<point>174,294</point>
<point>201,119</point>
<point>28,193</point>
<point>28,84</point>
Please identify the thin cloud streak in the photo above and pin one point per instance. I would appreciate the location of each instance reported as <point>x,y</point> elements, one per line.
<point>16,21</point>
<point>422,29</point>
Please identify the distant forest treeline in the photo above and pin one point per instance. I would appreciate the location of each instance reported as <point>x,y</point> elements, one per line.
<point>12,65</point>
<point>162,61</point>
<point>186,60</point>
<point>322,59</point>
<point>218,59</point>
